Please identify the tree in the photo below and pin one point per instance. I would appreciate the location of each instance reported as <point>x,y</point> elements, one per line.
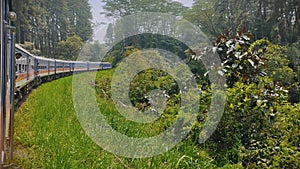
<point>122,8</point>
<point>202,14</point>
<point>45,23</point>
<point>293,54</point>
<point>93,51</point>
<point>80,17</point>
<point>70,48</point>
<point>276,20</point>
<point>25,17</point>
<point>109,37</point>
<point>258,79</point>
<point>241,60</point>
<point>57,24</point>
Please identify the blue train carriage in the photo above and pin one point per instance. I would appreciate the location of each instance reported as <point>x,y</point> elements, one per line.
<point>80,66</point>
<point>63,68</point>
<point>105,65</point>
<point>94,66</point>
<point>44,68</point>
<point>32,70</point>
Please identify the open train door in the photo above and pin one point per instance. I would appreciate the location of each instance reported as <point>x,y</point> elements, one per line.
<point>7,83</point>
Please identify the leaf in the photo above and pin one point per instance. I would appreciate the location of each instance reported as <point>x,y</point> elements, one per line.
<point>237,55</point>
<point>228,43</point>
<point>234,65</point>
<point>262,74</point>
<point>220,72</point>
<point>205,74</point>
<point>251,62</point>
<point>245,37</point>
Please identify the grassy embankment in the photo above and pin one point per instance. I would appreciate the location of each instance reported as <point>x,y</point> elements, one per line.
<point>48,135</point>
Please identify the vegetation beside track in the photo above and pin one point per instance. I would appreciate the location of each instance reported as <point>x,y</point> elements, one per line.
<point>48,135</point>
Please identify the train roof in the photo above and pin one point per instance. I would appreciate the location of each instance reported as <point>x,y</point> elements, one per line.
<point>43,58</point>
<point>22,50</point>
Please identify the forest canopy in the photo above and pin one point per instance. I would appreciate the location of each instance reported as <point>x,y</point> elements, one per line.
<point>45,23</point>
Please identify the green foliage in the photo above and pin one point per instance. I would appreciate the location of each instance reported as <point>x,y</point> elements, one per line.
<point>150,80</point>
<point>45,23</point>
<point>280,149</point>
<point>275,20</point>
<point>92,51</point>
<point>247,115</point>
<point>30,48</point>
<point>277,65</point>
<point>257,75</point>
<point>70,48</point>
<point>240,60</point>
<point>293,53</point>
<point>126,7</point>
<point>203,14</point>
<point>294,93</point>
<point>146,41</point>
<point>79,16</point>
<point>48,134</point>
<point>259,128</point>
<point>109,36</point>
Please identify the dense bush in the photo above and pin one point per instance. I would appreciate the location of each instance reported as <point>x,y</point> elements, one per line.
<point>259,127</point>
<point>280,146</point>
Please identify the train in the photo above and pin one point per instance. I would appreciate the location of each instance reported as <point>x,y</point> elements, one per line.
<point>33,70</point>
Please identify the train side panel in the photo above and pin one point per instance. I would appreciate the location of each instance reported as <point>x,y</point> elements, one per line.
<point>25,69</point>
<point>30,69</point>
<point>106,65</point>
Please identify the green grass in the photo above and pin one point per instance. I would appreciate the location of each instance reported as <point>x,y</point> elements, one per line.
<point>48,135</point>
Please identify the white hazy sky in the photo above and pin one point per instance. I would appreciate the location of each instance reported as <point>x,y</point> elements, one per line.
<point>98,18</point>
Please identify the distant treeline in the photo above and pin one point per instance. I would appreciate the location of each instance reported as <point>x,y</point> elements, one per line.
<point>276,20</point>
<point>45,23</point>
